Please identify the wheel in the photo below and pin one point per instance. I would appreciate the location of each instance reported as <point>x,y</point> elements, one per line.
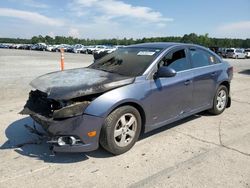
<point>121,130</point>
<point>236,57</point>
<point>220,100</point>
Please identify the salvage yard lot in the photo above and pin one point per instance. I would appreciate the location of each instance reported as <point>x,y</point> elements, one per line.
<point>200,151</point>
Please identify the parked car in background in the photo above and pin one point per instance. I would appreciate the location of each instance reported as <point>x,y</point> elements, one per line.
<point>49,48</point>
<point>39,47</point>
<point>92,49</point>
<point>25,47</point>
<point>4,46</point>
<point>66,47</point>
<point>57,48</point>
<point>14,46</point>
<point>236,53</point>
<point>78,48</point>
<point>104,51</point>
<point>247,52</point>
<point>131,91</point>
<point>222,52</point>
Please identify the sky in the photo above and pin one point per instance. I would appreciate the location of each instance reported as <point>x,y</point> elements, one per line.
<point>99,19</point>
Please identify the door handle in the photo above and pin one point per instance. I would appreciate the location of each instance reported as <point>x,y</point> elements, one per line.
<point>187,82</point>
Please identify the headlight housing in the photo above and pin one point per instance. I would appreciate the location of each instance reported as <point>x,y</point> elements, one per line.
<point>71,110</point>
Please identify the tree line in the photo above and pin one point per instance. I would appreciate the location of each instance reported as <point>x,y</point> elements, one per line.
<point>203,40</point>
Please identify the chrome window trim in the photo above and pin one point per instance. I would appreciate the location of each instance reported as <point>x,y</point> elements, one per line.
<point>151,68</point>
<point>149,76</point>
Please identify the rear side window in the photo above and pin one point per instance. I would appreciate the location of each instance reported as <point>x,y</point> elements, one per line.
<point>176,60</point>
<point>201,58</point>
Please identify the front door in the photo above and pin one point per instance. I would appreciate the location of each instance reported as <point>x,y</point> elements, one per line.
<point>172,96</point>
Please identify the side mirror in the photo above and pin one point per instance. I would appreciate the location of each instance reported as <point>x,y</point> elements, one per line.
<point>164,72</point>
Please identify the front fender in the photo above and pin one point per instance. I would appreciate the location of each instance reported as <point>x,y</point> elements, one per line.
<point>107,102</point>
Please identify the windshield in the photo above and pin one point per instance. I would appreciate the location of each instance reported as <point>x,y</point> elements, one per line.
<point>230,50</point>
<point>128,61</point>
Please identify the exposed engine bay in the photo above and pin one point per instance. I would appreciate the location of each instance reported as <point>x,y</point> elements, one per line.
<point>39,103</point>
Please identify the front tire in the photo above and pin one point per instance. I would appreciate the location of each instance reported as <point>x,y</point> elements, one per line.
<point>121,130</point>
<point>220,100</point>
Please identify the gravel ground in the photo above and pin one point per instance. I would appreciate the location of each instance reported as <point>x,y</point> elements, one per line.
<point>200,151</point>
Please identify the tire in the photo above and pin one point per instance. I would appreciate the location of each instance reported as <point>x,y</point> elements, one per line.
<point>121,130</point>
<point>220,100</point>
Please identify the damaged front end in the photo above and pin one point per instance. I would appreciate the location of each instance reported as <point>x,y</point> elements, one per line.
<point>39,104</point>
<point>64,121</point>
<point>59,102</point>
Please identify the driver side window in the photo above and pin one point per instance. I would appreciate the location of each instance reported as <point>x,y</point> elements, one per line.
<point>176,60</point>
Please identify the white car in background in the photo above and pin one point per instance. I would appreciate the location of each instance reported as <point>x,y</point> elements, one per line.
<point>79,48</point>
<point>236,53</point>
<point>103,51</point>
<point>93,49</point>
<point>247,52</point>
<point>108,49</point>
<point>50,47</point>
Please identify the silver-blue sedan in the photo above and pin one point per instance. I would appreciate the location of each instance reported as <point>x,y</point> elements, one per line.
<point>131,91</point>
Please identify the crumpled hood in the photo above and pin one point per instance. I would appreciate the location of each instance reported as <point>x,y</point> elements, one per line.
<point>73,83</point>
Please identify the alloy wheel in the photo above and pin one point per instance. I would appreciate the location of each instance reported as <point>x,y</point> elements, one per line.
<point>221,100</point>
<point>125,130</point>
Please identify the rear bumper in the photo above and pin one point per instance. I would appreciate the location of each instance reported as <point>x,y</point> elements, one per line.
<point>78,127</point>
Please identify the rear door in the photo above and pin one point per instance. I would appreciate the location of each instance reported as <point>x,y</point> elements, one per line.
<point>205,72</point>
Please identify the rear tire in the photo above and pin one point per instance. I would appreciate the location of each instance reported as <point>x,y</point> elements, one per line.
<point>220,100</point>
<point>121,130</point>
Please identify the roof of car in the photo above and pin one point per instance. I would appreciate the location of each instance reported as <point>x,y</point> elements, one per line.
<point>164,45</point>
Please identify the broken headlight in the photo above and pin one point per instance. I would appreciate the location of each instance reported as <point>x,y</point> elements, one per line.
<point>72,110</point>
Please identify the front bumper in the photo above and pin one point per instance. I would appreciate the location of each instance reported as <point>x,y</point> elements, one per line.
<point>78,126</point>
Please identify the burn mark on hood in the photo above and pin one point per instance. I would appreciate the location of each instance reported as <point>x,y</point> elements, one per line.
<point>73,83</point>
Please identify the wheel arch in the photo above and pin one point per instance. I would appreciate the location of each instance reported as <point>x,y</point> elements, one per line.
<point>137,107</point>
<point>225,83</point>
